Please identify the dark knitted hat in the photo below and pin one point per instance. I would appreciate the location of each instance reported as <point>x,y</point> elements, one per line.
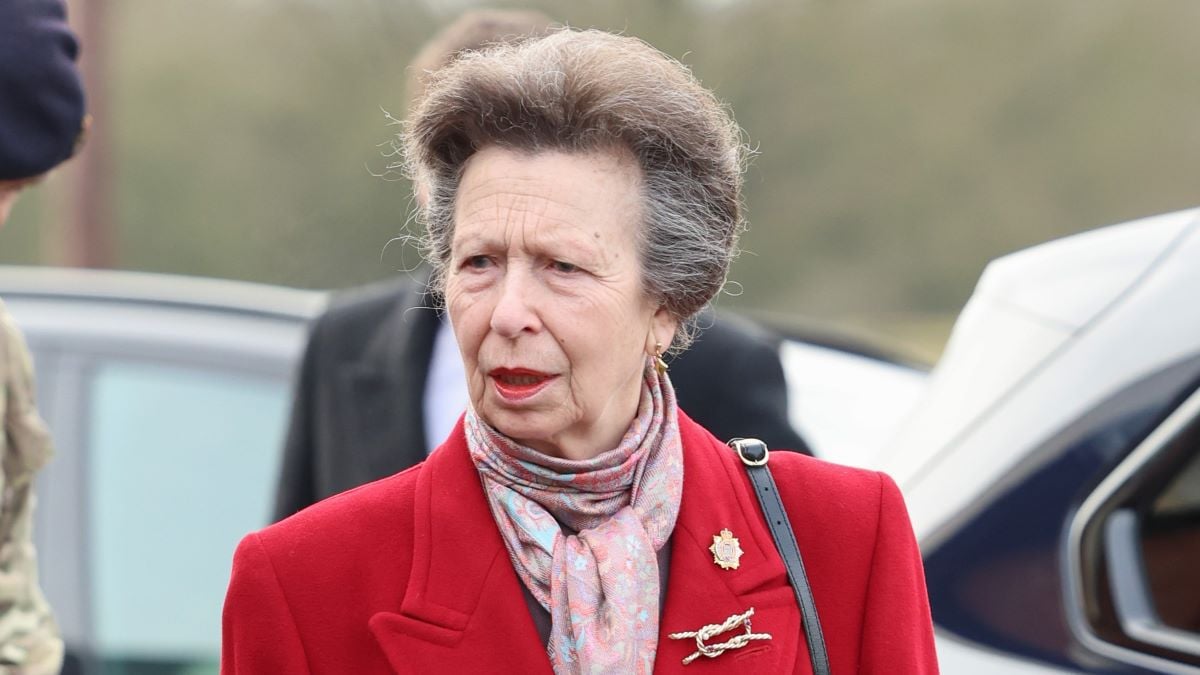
<point>41,94</point>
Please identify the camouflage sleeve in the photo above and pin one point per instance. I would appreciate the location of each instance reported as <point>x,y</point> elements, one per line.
<point>29,639</point>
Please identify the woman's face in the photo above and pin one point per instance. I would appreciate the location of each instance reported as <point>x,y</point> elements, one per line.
<point>545,294</point>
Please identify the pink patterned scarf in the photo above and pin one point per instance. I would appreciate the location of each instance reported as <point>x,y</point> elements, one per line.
<point>601,585</point>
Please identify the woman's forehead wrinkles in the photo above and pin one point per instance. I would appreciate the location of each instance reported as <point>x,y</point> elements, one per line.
<point>530,233</point>
<point>556,205</point>
<point>534,195</point>
<point>521,211</point>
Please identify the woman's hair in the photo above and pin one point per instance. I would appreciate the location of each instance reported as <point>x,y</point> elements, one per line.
<point>586,91</point>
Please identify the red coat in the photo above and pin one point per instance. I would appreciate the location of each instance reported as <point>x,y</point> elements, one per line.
<point>409,575</point>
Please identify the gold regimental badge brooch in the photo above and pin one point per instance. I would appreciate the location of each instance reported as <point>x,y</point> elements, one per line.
<point>726,550</point>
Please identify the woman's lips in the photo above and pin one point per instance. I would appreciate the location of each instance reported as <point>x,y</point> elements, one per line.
<point>518,384</point>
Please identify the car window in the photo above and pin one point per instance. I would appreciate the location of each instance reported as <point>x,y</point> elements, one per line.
<point>1171,547</point>
<point>180,462</point>
<point>1182,496</point>
<point>1140,549</point>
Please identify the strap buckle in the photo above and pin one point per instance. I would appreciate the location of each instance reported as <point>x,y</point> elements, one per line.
<point>752,451</point>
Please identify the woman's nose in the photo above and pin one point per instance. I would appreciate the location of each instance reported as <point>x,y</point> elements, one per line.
<point>515,310</point>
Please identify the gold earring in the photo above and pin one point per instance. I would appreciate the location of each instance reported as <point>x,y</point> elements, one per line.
<point>659,364</point>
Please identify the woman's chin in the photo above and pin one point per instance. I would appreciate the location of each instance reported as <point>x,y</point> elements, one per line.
<point>516,424</point>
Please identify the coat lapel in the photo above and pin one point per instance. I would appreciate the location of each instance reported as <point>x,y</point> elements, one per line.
<point>463,609</point>
<point>716,496</point>
<point>382,394</point>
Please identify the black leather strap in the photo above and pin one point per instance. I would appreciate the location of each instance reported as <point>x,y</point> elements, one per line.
<point>754,455</point>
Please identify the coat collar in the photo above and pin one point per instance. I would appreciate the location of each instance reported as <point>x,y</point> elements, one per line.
<point>382,394</point>
<point>463,606</point>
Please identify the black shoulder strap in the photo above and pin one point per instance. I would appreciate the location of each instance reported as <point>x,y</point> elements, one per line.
<point>753,454</point>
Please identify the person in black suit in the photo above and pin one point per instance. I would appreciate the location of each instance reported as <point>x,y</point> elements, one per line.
<point>366,405</point>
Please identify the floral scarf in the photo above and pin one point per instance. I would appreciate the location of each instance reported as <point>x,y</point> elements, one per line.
<point>601,585</point>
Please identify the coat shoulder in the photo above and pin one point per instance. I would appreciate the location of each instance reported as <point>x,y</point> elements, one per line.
<point>823,496</point>
<point>850,500</point>
<point>810,478</point>
<point>340,527</point>
<point>313,581</point>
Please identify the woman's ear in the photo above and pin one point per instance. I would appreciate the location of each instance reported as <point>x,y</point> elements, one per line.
<point>662,330</point>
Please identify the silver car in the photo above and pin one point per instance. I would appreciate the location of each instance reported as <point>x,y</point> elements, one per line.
<point>167,398</point>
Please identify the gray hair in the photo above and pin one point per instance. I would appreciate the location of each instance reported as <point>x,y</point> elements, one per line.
<point>580,91</point>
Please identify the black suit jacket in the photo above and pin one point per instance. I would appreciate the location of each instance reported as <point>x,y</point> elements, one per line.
<point>358,412</point>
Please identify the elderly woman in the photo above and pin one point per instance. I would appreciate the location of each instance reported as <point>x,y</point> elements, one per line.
<point>581,197</point>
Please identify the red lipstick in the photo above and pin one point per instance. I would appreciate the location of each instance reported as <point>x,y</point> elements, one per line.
<point>517,384</point>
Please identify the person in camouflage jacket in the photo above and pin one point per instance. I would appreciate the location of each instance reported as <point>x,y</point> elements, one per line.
<point>42,118</point>
<point>29,641</point>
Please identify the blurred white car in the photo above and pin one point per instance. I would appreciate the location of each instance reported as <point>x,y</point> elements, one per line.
<point>1052,466</point>
<point>846,396</point>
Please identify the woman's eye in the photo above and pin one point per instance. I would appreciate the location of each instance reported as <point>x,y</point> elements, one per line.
<point>477,262</point>
<point>563,267</point>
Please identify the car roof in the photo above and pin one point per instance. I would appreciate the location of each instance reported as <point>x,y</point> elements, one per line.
<point>1048,334</point>
<point>160,289</point>
<point>256,327</point>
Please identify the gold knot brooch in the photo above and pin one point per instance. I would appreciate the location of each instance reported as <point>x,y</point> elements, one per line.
<point>714,629</point>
